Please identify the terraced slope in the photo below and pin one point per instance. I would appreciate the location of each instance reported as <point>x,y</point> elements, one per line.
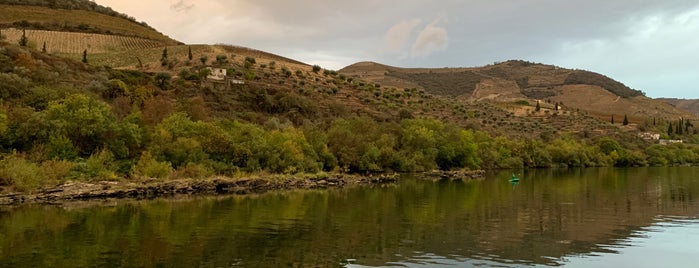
<point>44,18</point>
<point>76,43</point>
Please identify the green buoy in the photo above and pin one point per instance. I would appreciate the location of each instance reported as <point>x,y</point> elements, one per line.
<point>514,178</point>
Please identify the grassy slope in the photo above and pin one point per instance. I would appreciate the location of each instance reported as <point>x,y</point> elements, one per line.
<point>74,18</point>
<point>689,105</point>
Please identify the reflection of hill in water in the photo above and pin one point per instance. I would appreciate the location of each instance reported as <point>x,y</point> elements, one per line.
<point>547,216</point>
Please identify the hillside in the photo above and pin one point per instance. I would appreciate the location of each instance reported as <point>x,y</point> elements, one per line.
<point>73,16</point>
<point>90,27</point>
<point>136,111</point>
<point>513,81</point>
<point>689,105</point>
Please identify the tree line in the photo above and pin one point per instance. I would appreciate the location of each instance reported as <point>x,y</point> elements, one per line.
<point>78,137</point>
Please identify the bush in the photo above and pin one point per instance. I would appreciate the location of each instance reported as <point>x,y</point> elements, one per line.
<point>149,167</point>
<point>24,175</point>
<point>192,171</point>
<point>162,80</point>
<point>99,167</point>
<point>251,60</point>
<point>221,59</point>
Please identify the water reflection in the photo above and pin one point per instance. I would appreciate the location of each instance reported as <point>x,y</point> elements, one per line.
<point>577,218</point>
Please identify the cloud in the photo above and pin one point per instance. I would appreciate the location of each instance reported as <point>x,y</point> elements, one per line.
<point>630,42</point>
<point>431,39</point>
<point>397,36</point>
<point>181,6</point>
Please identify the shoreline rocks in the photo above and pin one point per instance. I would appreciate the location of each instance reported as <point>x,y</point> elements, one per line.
<point>455,174</point>
<point>81,191</point>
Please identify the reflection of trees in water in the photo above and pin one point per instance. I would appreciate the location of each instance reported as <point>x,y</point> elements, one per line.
<point>550,214</point>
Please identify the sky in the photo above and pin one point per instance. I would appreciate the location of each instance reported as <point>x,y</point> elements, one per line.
<point>649,45</point>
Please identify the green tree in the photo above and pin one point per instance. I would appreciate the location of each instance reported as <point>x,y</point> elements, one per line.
<point>43,48</point>
<point>163,58</point>
<point>419,141</point>
<point>316,68</point>
<point>363,145</point>
<point>189,53</point>
<point>626,120</point>
<point>203,59</point>
<point>612,119</point>
<point>670,129</point>
<point>288,151</point>
<point>23,40</point>
<point>147,166</point>
<point>85,121</point>
<point>162,80</point>
<point>221,59</point>
<point>85,56</point>
<point>176,140</point>
<point>538,106</point>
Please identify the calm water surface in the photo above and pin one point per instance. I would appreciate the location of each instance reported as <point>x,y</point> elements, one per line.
<point>645,217</point>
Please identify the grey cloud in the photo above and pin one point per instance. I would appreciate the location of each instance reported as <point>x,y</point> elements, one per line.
<point>600,35</point>
<point>398,35</point>
<point>181,5</point>
<point>432,38</point>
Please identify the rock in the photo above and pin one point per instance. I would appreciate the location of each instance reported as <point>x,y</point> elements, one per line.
<point>155,188</point>
<point>456,174</point>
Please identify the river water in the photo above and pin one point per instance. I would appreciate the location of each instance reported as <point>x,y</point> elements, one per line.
<point>640,217</point>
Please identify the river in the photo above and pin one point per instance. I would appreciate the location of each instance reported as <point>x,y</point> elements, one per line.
<point>639,217</point>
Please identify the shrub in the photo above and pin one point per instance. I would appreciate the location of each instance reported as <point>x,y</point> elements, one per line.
<point>192,171</point>
<point>162,80</point>
<point>96,168</point>
<point>221,59</point>
<point>24,175</point>
<point>316,68</point>
<point>251,60</point>
<point>149,167</point>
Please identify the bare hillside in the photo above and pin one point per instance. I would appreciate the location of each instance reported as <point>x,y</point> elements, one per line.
<point>689,105</point>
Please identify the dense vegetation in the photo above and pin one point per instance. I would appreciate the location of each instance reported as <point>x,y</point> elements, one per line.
<point>447,83</point>
<point>63,120</point>
<point>611,85</point>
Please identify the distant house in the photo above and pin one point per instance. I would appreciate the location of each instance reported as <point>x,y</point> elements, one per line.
<point>649,136</point>
<point>218,78</point>
<point>218,74</point>
<point>668,142</point>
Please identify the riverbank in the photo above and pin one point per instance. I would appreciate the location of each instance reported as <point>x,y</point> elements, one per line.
<point>80,191</point>
<point>214,186</point>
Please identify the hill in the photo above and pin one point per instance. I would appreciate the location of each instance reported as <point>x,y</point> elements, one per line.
<point>73,16</point>
<point>516,80</point>
<point>91,27</point>
<point>689,105</point>
<point>168,110</point>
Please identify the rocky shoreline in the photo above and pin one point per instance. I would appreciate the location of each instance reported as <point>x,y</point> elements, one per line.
<point>104,190</point>
<point>81,191</point>
<point>455,174</point>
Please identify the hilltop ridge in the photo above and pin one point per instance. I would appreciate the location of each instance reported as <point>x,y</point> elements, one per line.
<point>521,80</point>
